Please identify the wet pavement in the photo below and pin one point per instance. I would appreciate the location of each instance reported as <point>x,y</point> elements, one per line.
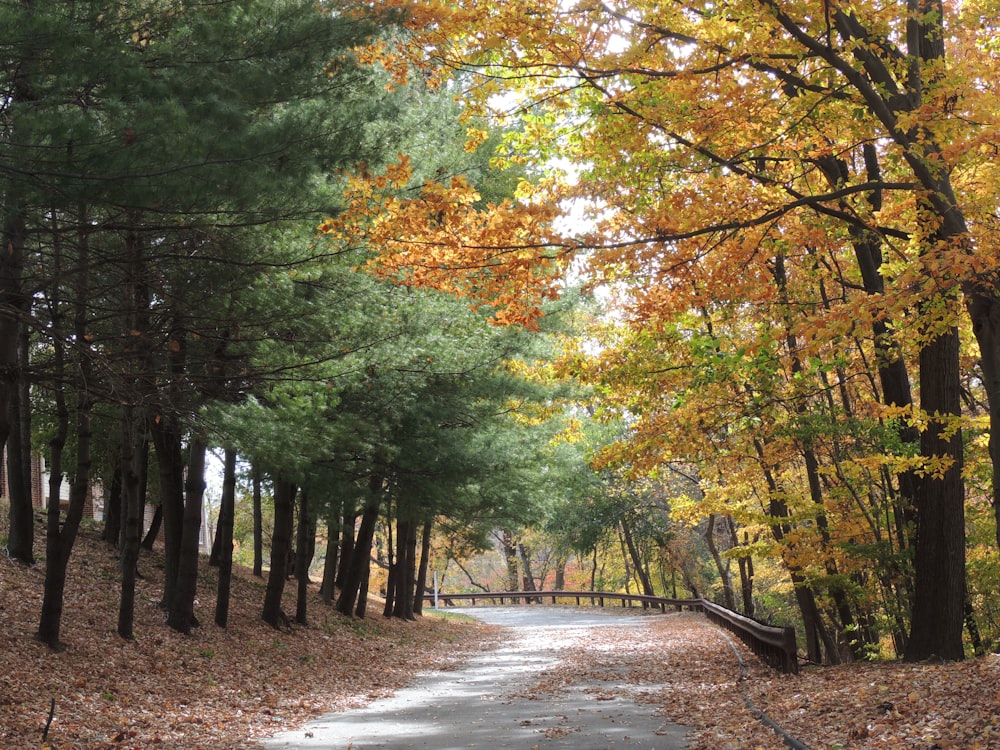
<point>487,702</point>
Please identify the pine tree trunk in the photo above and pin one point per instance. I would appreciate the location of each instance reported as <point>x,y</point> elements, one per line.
<point>258,526</point>
<point>154,527</point>
<point>132,527</point>
<point>227,515</point>
<point>403,527</point>
<point>305,545</point>
<point>170,462</point>
<point>347,537</point>
<point>330,563</point>
<point>13,301</point>
<point>281,542</point>
<point>112,530</point>
<point>21,535</point>
<point>351,593</point>
<point>392,574</point>
<point>59,542</point>
<point>181,614</point>
<point>425,555</point>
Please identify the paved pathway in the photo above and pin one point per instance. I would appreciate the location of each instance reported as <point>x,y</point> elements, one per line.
<point>487,702</point>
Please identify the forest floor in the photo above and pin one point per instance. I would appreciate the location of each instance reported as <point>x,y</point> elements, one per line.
<point>221,689</point>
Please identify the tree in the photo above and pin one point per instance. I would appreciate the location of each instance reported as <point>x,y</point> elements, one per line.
<point>697,106</point>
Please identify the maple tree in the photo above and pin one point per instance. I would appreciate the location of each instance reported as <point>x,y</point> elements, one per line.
<point>827,165</point>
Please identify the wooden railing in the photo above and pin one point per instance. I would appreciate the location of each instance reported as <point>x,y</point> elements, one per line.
<point>774,646</point>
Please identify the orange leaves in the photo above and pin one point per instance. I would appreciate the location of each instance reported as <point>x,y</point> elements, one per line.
<point>439,235</point>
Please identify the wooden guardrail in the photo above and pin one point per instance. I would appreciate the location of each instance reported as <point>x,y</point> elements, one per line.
<point>775,646</point>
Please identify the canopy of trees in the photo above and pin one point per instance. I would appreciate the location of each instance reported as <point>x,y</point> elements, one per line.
<point>344,245</point>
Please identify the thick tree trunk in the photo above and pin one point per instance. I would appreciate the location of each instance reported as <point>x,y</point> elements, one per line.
<point>21,535</point>
<point>939,553</point>
<point>281,542</point>
<point>425,554</point>
<point>349,521</point>
<point>111,533</point>
<point>406,568</point>
<point>170,461</point>
<point>181,615</point>
<point>983,305</point>
<point>330,563</point>
<point>351,593</point>
<point>13,302</point>
<point>227,515</point>
<point>59,542</point>
<point>305,548</point>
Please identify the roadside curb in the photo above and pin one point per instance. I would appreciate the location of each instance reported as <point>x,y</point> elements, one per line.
<point>760,715</point>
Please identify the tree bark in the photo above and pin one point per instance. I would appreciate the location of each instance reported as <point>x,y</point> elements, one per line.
<point>281,542</point>
<point>181,616</point>
<point>258,526</point>
<point>132,527</point>
<point>723,569</point>
<point>227,515</point>
<point>330,563</point>
<point>640,570</point>
<point>351,593</point>
<point>305,547</point>
<point>510,558</point>
<point>425,554</point>
<point>21,535</point>
<point>349,521</point>
<point>170,462</point>
<point>939,554</point>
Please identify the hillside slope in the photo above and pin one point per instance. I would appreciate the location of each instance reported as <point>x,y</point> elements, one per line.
<point>213,689</point>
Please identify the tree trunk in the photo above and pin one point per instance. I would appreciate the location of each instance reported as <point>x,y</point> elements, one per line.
<point>132,527</point>
<point>111,533</point>
<point>425,554</point>
<point>330,563</point>
<point>640,570</point>
<point>746,569</point>
<point>347,535</point>
<point>305,547</point>
<point>281,542</point>
<point>59,542</point>
<point>528,579</point>
<point>392,574</point>
<point>13,302</point>
<point>21,535</point>
<point>227,515</point>
<point>720,566</point>
<point>510,558</point>
<point>351,593</point>
<point>401,565</point>
<point>170,461</point>
<point>181,616</point>
<point>154,527</point>
<point>939,554</point>
<point>258,526</point>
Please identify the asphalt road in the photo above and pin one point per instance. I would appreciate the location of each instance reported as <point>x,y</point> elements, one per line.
<point>488,702</point>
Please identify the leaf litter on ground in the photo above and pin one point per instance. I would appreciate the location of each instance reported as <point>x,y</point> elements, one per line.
<point>222,688</point>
